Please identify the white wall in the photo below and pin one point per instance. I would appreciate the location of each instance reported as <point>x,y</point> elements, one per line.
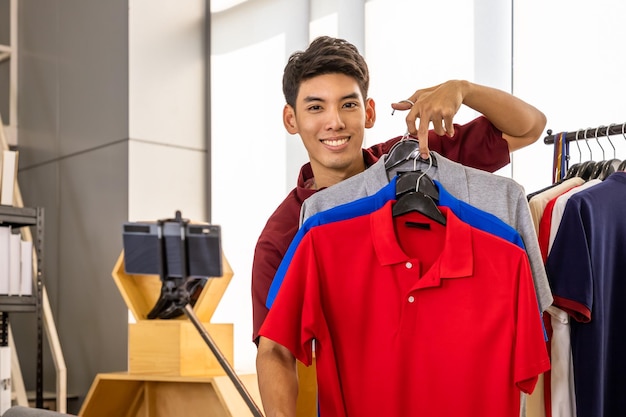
<point>569,62</point>
<point>167,110</point>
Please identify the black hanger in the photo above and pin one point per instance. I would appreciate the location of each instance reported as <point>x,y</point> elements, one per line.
<point>608,168</point>
<point>408,181</point>
<point>411,197</point>
<point>622,166</point>
<point>419,202</point>
<point>402,151</point>
<point>571,172</point>
<point>585,170</point>
<point>597,170</point>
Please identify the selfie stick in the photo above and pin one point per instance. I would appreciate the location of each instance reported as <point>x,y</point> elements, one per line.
<point>181,297</point>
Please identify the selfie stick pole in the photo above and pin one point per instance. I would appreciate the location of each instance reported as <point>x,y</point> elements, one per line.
<point>182,301</point>
<point>223,361</point>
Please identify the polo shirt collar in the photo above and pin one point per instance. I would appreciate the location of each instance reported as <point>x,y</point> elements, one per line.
<point>456,259</point>
<point>306,174</point>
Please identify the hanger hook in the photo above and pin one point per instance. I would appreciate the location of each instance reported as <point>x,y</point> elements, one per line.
<point>587,142</point>
<point>430,165</point>
<point>598,140</point>
<point>580,153</point>
<point>608,137</point>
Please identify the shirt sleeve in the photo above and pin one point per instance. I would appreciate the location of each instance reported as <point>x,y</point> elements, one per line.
<point>296,317</point>
<point>268,253</point>
<point>569,265</point>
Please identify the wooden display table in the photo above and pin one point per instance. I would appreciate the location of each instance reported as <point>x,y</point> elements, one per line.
<point>173,347</point>
<point>127,395</point>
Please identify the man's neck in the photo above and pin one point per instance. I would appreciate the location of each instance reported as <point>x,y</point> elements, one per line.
<point>328,177</point>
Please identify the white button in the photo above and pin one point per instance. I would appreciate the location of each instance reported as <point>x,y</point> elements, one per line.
<point>411,299</point>
<point>409,265</point>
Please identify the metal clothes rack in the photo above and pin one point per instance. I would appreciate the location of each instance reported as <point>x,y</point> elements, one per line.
<point>589,133</point>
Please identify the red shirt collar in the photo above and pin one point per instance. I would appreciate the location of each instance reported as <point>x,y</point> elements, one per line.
<point>457,255</point>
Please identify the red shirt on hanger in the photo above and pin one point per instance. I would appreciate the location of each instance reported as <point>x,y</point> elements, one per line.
<point>440,320</point>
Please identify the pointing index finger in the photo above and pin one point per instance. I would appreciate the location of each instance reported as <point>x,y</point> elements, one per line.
<point>422,136</point>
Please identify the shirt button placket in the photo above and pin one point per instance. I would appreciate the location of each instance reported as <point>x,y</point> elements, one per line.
<point>409,265</point>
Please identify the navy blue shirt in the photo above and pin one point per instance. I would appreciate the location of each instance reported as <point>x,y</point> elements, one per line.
<point>586,269</point>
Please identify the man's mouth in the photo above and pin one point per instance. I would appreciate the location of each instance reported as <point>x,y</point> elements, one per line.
<point>335,142</point>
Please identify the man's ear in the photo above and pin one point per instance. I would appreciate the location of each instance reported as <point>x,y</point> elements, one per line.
<point>289,119</point>
<point>370,113</point>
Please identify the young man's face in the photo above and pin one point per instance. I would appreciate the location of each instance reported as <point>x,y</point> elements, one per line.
<point>331,116</point>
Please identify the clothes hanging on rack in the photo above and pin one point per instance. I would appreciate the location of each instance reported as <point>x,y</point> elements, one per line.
<point>539,201</point>
<point>547,207</point>
<point>558,384</point>
<point>562,396</point>
<point>559,207</point>
<point>477,311</point>
<point>586,266</point>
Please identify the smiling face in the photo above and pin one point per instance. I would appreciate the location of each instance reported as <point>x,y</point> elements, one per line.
<point>331,116</point>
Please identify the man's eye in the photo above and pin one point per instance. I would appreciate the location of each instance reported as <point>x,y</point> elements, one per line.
<point>350,105</point>
<point>315,108</point>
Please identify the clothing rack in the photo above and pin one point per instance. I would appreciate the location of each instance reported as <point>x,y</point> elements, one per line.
<point>589,133</point>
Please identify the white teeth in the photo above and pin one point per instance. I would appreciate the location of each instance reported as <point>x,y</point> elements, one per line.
<point>335,142</point>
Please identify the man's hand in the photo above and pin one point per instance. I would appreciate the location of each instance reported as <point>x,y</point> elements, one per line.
<point>520,123</point>
<point>436,105</point>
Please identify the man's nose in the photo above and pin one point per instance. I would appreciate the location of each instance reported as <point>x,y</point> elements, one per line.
<point>335,121</point>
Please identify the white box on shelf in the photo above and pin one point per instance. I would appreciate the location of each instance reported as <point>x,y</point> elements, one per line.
<point>15,263</point>
<point>5,379</point>
<point>9,177</point>
<point>26,278</point>
<point>5,239</point>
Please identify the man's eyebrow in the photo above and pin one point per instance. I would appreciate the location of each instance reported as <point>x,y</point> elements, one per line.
<point>309,99</point>
<point>350,96</point>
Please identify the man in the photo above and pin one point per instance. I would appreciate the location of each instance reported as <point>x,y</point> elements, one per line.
<point>325,88</point>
